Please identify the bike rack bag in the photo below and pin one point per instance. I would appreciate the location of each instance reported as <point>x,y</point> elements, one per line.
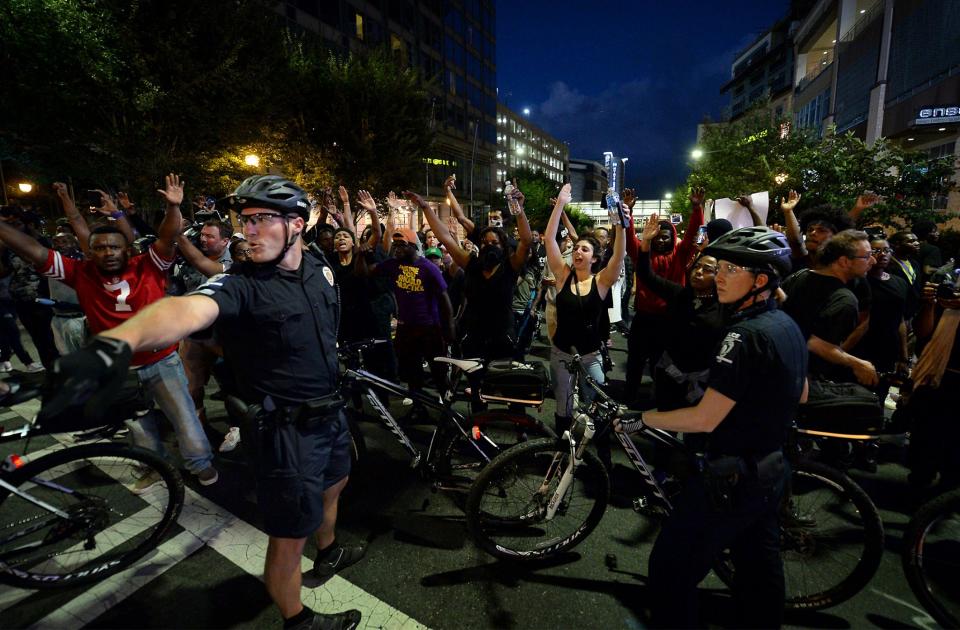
<point>514,382</point>
<point>845,408</point>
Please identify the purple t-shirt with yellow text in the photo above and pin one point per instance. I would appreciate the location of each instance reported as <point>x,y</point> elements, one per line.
<point>417,287</point>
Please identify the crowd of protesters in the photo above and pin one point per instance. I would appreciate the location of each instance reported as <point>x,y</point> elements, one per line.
<point>868,302</point>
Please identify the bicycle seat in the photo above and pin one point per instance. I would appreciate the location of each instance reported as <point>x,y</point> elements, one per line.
<point>467,365</point>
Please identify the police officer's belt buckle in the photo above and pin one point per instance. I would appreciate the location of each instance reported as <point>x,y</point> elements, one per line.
<point>316,411</point>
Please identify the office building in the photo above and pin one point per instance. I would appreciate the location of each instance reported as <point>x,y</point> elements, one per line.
<point>521,144</point>
<point>453,43</point>
<point>588,180</point>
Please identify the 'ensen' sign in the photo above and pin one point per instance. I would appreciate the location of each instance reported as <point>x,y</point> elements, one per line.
<point>938,115</point>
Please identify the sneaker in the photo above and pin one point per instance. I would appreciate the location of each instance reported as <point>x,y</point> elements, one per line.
<point>230,440</point>
<point>146,481</point>
<point>337,559</point>
<point>36,366</point>
<point>346,620</point>
<point>6,366</point>
<point>208,476</point>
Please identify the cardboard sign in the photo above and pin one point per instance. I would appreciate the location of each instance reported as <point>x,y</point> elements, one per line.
<point>738,215</point>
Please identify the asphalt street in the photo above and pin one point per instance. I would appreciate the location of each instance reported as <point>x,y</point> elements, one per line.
<point>420,568</point>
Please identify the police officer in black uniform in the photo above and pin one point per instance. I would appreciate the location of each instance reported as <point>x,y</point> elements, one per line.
<point>756,382</point>
<point>277,319</point>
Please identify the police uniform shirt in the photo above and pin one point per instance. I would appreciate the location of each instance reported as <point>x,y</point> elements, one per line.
<point>279,330</point>
<point>761,363</point>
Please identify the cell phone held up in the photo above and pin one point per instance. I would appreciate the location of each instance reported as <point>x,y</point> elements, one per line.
<point>94,200</point>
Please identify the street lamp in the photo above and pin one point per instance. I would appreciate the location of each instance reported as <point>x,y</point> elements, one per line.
<point>668,196</point>
<point>25,187</point>
<point>526,111</point>
<point>252,159</point>
<point>696,154</point>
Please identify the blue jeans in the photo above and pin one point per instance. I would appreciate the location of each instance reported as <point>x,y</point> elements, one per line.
<point>563,380</point>
<point>166,382</point>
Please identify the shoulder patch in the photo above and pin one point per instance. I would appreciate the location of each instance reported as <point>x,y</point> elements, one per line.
<point>210,287</point>
<point>328,275</point>
<point>728,345</point>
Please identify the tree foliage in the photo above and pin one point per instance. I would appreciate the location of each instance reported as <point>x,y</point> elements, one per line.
<point>117,93</point>
<point>758,153</point>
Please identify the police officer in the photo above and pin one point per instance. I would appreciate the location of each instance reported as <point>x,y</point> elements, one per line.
<point>756,381</point>
<point>277,320</point>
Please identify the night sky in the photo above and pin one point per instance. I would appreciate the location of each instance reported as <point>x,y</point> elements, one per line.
<point>632,76</point>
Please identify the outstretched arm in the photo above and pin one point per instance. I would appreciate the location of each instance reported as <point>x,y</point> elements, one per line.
<point>348,221</point>
<point>572,231</point>
<point>24,246</point>
<point>166,322</point>
<point>367,203</point>
<point>195,257</point>
<point>792,226</point>
<point>688,246</point>
<point>863,202</point>
<point>77,222</point>
<point>554,256</point>
<point>519,257</point>
<point>172,220</point>
<point>109,209</point>
<point>609,275</point>
<point>449,185</point>
<point>747,202</point>
<point>459,255</point>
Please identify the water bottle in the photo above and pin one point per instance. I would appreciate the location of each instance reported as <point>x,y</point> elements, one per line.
<point>615,210</point>
<point>512,203</point>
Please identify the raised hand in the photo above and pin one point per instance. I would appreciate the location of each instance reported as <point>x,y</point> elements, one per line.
<point>867,199</point>
<point>745,201</point>
<point>450,183</point>
<point>172,192</point>
<point>564,196</point>
<point>124,200</point>
<point>697,196</point>
<point>344,197</point>
<point>416,199</point>
<point>393,201</point>
<point>61,189</point>
<point>366,201</point>
<point>108,206</point>
<point>793,198</point>
<point>629,198</point>
<point>652,227</point>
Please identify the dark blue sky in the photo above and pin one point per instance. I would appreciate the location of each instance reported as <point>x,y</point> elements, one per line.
<point>632,76</point>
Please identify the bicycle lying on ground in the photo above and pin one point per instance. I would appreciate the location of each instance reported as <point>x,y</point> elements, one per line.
<point>69,517</point>
<point>931,557</point>
<point>542,498</point>
<point>460,445</point>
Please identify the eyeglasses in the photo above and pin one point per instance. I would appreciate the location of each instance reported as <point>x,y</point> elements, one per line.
<point>730,269</point>
<point>266,218</point>
<point>882,250</point>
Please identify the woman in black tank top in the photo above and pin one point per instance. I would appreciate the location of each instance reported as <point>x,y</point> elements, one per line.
<point>580,301</point>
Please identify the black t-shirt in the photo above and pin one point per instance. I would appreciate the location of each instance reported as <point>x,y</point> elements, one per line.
<point>930,256</point>
<point>489,312</point>
<point>357,319</point>
<point>822,305</point>
<point>279,330</point>
<point>761,363</point>
<point>881,343</point>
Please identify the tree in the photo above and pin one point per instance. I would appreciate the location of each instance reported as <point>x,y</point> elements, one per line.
<point>758,153</point>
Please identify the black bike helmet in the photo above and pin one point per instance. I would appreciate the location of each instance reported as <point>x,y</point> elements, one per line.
<point>758,248</point>
<point>269,191</point>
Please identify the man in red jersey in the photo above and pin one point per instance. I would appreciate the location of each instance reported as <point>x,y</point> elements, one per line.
<point>111,287</point>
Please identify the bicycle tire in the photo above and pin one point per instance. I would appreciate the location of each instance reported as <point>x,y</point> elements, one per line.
<point>457,458</point>
<point>520,533</point>
<point>817,536</point>
<point>931,557</point>
<point>90,481</point>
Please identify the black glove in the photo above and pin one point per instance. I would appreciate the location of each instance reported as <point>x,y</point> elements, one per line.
<point>92,375</point>
<point>631,422</point>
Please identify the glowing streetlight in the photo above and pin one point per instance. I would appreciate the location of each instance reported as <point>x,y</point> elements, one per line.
<point>668,196</point>
<point>526,111</point>
<point>252,159</point>
<point>696,154</point>
<point>25,187</point>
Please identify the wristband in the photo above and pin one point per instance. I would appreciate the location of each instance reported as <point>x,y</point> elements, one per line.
<point>633,424</point>
<point>116,215</point>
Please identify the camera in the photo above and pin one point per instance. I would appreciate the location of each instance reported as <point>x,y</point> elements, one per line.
<point>947,279</point>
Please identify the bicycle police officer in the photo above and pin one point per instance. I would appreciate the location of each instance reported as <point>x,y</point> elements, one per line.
<point>277,320</point>
<point>756,381</point>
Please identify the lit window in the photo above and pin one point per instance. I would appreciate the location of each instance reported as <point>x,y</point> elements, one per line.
<point>359,21</point>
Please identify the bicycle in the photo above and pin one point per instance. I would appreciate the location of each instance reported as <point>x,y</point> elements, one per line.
<point>542,498</point>
<point>69,517</point>
<point>931,557</point>
<point>460,445</point>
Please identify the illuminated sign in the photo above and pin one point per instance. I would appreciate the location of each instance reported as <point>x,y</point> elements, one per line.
<point>439,162</point>
<point>938,115</point>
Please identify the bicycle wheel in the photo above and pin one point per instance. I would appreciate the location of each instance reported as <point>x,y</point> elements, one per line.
<point>109,527</point>
<point>831,538</point>
<point>931,557</point>
<point>507,506</point>
<point>491,433</point>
